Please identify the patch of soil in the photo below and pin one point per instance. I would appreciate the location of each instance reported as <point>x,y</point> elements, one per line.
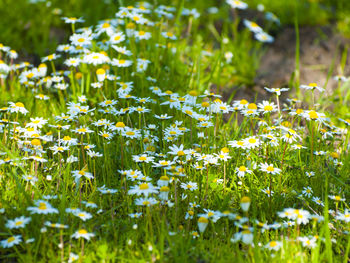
<point>319,46</point>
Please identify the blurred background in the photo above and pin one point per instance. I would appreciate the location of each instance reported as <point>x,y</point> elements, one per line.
<point>36,27</point>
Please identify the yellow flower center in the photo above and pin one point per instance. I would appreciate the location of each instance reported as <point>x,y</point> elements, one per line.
<point>82,232</point>
<point>42,206</point>
<point>252,140</point>
<point>245,199</point>
<point>252,106</point>
<point>203,220</point>
<point>268,108</point>
<point>35,142</point>
<point>100,71</point>
<point>120,125</point>
<point>180,153</point>
<point>242,169</point>
<point>11,239</point>
<point>313,115</point>
<point>19,104</point>
<point>273,243</point>
<point>18,223</point>
<point>164,189</point>
<point>144,186</point>
<point>270,168</point>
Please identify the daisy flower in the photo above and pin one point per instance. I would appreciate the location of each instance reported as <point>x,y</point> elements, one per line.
<point>313,115</point>
<point>142,35</point>
<point>263,37</point>
<point>142,158</point>
<point>268,168</point>
<point>72,62</point>
<point>19,222</point>
<point>11,241</point>
<point>163,181</point>
<point>310,174</point>
<point>145,201</point>
<point>317,201</point>
<point>77,174</point>
<point>55,225</point>
<point>307,242</point>
<point>89,204</point>
<point>277,91</point>
<point>42,207</point>
<point>268,192</point>
<point>81,40</point>
<point>131,133</point>
<point>301,216</point>
<point>312,86</point>
<point>162,116</point>
<point>164,192</point>
<point>336,198</point>
<point>105,190</point>
<point>189,186</point>
<point>59,149</point>
<point>307,191</point>
<point>36,123</point>
<point>267,107</point>
<point>177,150</point>
<point>251,142</point>
<point>83,215</point>
<point>104,27</point>
<point>238,144</point>
<point>106,135</point>
<point>50,57</point>
<point>223,156</point>
<point>122,50</point>
<point>72,20</point>
<point>237,4</point>
<point>121,63</point>
<point>169,35</point>
<point>67,140</point>
<point>143,188</point>
<point>242,170</point>
<point>163,163</point>
<point>252,26</point>
<point>274,245</point>
<point>202,223</point>
<point>83,130</point>
<point>83,233</point>
<point>340,78</point>
<point>344,216</point>
<point>117,38</point>
<point>42,97</point>
<point>17,107</point>
<point>246,236</point>
<point>96,58</point>
<point>72,257</point>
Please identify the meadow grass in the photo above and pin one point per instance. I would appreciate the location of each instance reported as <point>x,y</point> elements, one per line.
<point>118,147</point>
